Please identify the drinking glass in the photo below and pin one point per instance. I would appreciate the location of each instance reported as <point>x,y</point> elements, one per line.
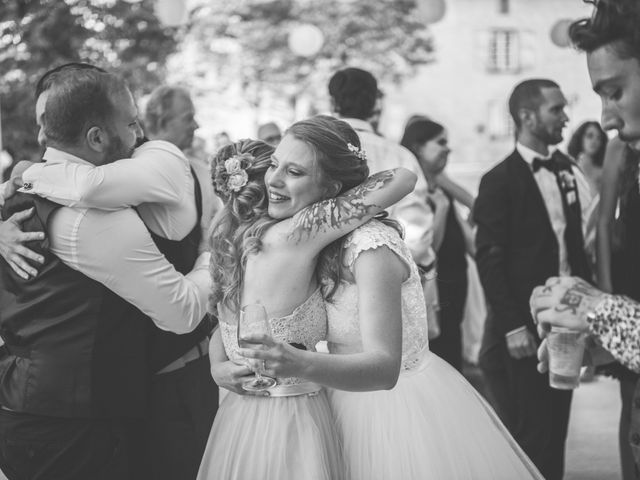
<point>253,319</point>
<point>566,349</point>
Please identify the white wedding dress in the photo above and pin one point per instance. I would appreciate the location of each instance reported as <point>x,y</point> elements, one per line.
<point>287,436</point>
<point>432,424</point>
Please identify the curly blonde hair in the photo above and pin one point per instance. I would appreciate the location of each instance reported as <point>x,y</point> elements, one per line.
<point>238,227</point>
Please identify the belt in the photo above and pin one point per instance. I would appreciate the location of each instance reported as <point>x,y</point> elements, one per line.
<point>294,390</point>
<point>198,351</point>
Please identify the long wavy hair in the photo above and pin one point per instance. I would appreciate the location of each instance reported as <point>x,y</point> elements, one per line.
<point>577,139</point>
<point>238,227</point>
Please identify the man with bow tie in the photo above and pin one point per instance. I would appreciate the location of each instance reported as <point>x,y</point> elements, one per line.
<point>530,212</point>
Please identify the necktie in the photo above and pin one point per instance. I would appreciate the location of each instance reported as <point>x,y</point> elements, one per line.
<point>548,163</point>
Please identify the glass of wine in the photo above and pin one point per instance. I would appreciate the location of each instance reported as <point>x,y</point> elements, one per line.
<point>253,319</point>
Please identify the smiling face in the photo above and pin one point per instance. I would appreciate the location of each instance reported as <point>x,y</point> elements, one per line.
<point>433,154</point>
<point>294,179</point>
<point>617,81</point>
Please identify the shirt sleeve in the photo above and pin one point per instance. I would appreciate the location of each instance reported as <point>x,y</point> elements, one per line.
<point>3,189</point>
<point>415,215</point>
<point>156,174</point>
<point>115,249</point>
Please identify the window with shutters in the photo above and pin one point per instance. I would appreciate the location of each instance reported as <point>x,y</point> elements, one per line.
<point>504,51</point>
<point>499,122</point>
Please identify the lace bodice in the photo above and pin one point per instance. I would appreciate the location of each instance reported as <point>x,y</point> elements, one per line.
<point>342,315</point>
<point>307,325</point>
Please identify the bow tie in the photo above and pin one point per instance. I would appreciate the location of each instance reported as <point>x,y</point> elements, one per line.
<point>548,163</point>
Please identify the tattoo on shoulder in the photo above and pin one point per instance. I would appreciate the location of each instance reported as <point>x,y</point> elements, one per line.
<point>337,212</point>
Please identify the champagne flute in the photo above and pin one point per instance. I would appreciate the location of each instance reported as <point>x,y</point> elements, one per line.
<point>253,319</point>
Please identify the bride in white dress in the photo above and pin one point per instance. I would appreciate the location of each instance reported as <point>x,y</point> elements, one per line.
<point>401,411</point>
<point>271,260</point>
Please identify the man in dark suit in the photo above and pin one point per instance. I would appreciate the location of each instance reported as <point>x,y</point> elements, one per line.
<point>529,213</point>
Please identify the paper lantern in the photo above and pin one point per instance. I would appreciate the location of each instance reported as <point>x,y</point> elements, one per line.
<point>560,33</point>
<point>171,13</point>
<point>306,40</point>
<point>430,11</point>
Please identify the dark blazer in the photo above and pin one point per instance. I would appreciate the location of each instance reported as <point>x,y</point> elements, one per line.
<point>516,247</point>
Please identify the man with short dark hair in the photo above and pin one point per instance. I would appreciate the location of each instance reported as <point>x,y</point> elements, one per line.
<point>70,333</point>
<point>611,40</point>
<point>354,96</point>
<point>157,180</point>
<point>530,213</point>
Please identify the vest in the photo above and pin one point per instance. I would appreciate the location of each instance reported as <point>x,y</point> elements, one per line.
<point>72,347</point>
<point>166,347</point>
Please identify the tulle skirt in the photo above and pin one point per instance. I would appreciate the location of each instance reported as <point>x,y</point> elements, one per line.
<point>431,425</point>
<point>278,438</point>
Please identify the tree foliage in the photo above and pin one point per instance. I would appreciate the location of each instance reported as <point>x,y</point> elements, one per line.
<point>36,35</point>
<point>246,41</point>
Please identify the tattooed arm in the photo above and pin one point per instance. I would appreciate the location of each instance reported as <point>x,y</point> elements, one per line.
<point>573,303</point>
<point>320,224</point>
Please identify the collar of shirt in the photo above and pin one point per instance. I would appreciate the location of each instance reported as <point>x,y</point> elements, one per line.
<point>357,124</point>
<point>528,155</point>
<point>53,155</point>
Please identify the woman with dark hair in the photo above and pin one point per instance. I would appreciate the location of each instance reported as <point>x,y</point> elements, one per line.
<point>265,245</point>
<point>452,237</point>
<point>587,147</point>
<point>400,411</point>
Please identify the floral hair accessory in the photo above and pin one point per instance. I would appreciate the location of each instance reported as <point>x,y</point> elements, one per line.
<point>358,152</point>
<point>234,175</point>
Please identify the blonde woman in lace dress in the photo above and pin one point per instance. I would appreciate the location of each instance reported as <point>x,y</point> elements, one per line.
<point>265,246</point>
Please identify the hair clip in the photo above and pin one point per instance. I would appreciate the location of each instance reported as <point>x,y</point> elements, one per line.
<point>358,152</point>
<point>237,176</point>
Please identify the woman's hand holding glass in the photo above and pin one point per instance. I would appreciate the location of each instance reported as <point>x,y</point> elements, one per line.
<point>231,376</point>
<point>254,321</point>
<point>279,358</point>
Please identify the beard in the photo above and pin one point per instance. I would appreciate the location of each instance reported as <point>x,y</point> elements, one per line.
<point>117,150</point>
<point>547,135</point>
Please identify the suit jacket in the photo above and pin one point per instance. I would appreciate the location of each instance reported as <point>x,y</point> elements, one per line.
<point>517,249</point>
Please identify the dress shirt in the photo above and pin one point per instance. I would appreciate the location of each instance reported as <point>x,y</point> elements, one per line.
<point>157,179</point>
<point>412,211</point>
<point>116,249</point>
<point>547,183</point>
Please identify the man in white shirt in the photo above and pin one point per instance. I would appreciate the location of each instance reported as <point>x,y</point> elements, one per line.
<point>531,211</point>
<point>355,99</point>
<point>112,248</point>
<point>159,181</point>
